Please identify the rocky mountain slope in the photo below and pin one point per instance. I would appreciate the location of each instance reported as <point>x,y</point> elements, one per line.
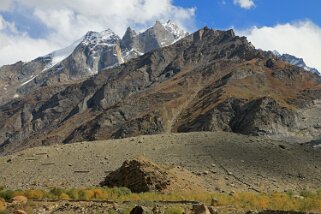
<point>208,81</point>
<point>293,60</point>
<point>85,57</point>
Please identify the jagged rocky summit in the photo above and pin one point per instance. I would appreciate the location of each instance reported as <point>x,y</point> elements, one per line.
<point>85,57</point>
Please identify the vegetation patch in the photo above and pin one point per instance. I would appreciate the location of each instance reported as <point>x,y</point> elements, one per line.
<point>306,201</point>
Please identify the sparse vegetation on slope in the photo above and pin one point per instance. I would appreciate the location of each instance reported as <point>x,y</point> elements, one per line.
<point>306,201</point>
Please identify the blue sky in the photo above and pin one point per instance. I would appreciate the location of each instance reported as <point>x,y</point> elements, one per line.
<point>32,28</point>
<point>223,14</point>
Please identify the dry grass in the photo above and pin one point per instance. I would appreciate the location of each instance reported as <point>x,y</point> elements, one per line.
<point>307,201</point>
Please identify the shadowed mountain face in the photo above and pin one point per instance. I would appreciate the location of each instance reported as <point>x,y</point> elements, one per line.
<point>210,80</point>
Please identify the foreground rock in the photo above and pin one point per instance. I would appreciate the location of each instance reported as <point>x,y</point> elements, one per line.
<point>139,175</point>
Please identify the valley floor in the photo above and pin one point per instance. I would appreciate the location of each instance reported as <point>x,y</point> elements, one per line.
<point>220,162</point>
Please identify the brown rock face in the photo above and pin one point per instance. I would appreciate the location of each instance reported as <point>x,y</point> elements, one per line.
<point>139,175</point>
<point>209,81</point>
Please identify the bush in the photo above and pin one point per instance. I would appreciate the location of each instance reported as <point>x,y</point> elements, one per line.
<point>7,194</point>
<point>55,193</point>
<point>73,194</point>
<point>99,194</point>
<point>35,194</point>
<point>83,195</point>
<point>174,210</point>
<point>64,196</point>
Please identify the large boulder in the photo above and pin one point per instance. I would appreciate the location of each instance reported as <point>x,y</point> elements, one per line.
<point>139,175</point>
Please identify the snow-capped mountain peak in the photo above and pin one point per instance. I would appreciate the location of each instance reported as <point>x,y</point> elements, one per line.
<point>106,37</point>
<point>97,51</point>
<point>174,29</point>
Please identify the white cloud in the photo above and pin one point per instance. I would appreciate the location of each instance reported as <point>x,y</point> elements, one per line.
<point>301,39</point>
<point>67,20</point>
<point>5,5</point>
<point>15,45</point>
<point>246,4</point>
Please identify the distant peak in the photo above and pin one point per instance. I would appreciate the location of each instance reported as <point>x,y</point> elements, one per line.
<point>297,61</point>
<point>157,23</point>
<point>106,36</point>
<point>175,29</point>
<point>130,32</point>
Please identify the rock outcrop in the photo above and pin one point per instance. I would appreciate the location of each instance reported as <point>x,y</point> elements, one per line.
<point>139,175</point>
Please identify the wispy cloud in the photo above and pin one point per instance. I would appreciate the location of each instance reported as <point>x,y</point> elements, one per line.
<point>65,21</point>
<point>302,39</point>
<point>246,4</point>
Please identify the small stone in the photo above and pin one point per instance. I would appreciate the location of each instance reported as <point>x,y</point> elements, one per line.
<point>139,210</point>
<point>205,172</point>
<point>230,173</point>
<point>213,165</point>
<point>214,202</point>
<point>20,212</point>
<point>232,193</point>
<point>200,209</point>
<point>298,197</point>
<point>212,210</point>
<point>19,200</point>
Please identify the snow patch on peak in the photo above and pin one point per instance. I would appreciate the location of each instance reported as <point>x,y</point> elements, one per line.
<point>107,37</point>
<point>59,55</point>
<point>174,29</point>
<point>293,60</point>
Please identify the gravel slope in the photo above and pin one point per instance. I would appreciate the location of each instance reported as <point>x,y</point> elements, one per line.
<point>220,161</point>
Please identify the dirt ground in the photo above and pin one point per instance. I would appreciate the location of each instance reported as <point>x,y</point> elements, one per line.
<point>219,161</point>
